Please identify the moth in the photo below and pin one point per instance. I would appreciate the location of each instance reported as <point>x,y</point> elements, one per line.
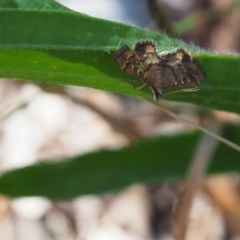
<point>159,70</point>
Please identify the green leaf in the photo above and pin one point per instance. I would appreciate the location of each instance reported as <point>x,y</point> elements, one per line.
<point>148,161</point>
<point>59,46</point>
<point>30,4</point>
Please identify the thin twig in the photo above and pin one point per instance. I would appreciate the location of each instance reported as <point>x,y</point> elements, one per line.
<point>197,171</point>
<point>219,138</point>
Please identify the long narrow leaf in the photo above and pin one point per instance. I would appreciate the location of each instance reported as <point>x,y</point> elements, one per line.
<point>59,46</point>
<point>148,161</point>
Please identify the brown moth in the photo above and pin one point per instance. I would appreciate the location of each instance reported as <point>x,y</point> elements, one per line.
<point>159,70</point>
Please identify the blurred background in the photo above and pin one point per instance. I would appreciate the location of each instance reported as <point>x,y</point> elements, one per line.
<point>39,122</point>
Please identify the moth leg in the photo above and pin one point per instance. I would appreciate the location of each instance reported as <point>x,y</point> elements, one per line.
<point>156,93</point>
<point>141,87</point>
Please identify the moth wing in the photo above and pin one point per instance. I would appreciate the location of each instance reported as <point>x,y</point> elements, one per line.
<point>147,56</point>
<point>182,70</point>
<point>126,59</point>
<point>146,53</point>
<point>165,71</point>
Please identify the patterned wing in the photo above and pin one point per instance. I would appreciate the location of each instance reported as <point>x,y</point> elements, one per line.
<point>126,59</point>
<point>182,70</point>
<point>146,54</point>
<point>159,71</point>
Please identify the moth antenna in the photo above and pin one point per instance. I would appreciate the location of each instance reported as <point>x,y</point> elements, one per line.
<point>195,89</point>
